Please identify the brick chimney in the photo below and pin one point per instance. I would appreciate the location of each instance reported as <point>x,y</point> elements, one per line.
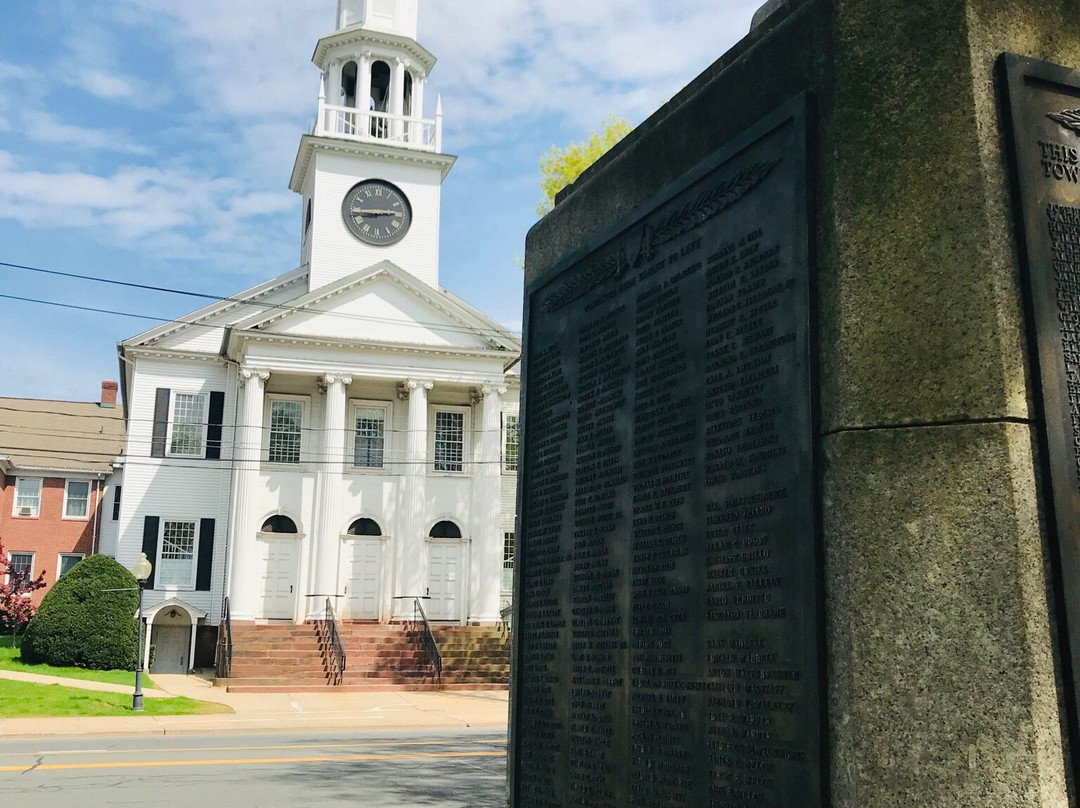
<point>108,395</point>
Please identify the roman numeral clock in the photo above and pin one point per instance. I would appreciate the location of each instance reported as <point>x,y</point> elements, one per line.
<point>377,212</point>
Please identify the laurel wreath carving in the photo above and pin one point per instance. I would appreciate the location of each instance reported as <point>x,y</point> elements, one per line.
<point>708,204</point>
<point>1067,118</point>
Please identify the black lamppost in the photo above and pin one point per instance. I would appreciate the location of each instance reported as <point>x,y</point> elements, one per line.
<point>141,571</point>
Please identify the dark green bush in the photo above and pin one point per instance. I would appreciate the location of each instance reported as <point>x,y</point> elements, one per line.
<point>80,623</point>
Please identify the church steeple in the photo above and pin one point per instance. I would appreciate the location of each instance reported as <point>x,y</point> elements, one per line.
<point>388,16</point>
<point>374,75</point>
<point>371,169</point>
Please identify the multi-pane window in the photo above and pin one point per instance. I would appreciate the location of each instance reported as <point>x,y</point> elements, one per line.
<point>188,427</point>
<point>369,440</point>
<point>77,499</point>
<point>449,441</point>
<point>286,424</point>
<point>27,496</point>
<point>510,443</point>
<point>508,562</point>
<point>21,565</point>
<point>177,563</point>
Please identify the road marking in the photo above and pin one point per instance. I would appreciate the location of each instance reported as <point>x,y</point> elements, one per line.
<point>148,764</point>
<point>172,750</point>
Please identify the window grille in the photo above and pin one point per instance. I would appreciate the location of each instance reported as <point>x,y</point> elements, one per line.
<point>510,443</point>
<point>370,437</point>
<point>188,426</point>
<point>177,554</point>
<point>286,420</point>
<point>508,562</point>
<point>449,441</point>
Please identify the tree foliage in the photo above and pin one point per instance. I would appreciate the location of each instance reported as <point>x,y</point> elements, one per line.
<point>16,604</point>
<point>87,620</point>
<point>560,167</point>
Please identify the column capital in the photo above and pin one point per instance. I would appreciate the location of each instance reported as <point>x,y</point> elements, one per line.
<point>247,374</point>
<point>406,387</point>
<point>330,379</point>
<point>478,394</point>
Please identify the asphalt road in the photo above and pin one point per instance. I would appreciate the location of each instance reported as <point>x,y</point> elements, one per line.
<point>440,769</point>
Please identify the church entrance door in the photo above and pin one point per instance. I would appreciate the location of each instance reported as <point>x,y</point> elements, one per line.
<point>363,578</point>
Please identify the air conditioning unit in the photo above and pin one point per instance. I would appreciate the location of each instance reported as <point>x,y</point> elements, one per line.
<point>26,511</point>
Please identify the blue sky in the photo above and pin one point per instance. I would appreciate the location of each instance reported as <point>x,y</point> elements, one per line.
<point>151,141</point>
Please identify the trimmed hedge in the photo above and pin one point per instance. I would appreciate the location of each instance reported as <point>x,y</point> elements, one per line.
<point>81,624</point>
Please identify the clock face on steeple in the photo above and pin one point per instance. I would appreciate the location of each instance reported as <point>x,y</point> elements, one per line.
<point>377,212</point>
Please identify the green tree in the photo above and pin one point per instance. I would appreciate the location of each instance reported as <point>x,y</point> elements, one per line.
<point>560,167</point>
<point>87,620</point>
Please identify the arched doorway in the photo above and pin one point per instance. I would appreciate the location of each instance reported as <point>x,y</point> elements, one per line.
<point>172,636</point>
<point>362,569</point>
<point>446,572</point>
<point>279,564</point>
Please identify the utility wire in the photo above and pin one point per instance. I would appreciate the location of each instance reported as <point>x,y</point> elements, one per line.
<point>217,299</point>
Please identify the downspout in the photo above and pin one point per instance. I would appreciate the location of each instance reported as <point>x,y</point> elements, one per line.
<point>97,517</point>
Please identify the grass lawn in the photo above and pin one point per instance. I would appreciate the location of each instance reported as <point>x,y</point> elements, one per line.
<point>23,700</point>
<point>9,661</point>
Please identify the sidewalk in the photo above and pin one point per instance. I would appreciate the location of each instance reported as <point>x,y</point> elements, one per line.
<point>256,712</point>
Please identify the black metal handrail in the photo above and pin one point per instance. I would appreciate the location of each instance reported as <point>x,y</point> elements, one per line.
<point>333,648</point>
<point>224,649</point>
<point>427,639</point>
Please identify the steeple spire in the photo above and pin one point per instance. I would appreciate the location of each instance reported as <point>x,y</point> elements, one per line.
<point>397,17</point>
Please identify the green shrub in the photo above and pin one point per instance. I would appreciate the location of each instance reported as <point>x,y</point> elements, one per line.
<point>84,622</point>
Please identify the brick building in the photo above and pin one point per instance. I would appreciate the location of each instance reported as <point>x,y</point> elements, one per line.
<point>58,491</point>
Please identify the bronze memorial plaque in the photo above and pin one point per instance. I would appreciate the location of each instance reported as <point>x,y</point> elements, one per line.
<point>668,624</point>
<point>1043,118</point>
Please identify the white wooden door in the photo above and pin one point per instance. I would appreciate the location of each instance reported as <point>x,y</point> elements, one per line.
<point>278,578</point>
<point>444,581</point>
<point>363,578</point>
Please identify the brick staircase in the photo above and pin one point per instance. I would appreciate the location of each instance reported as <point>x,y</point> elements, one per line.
<point>279,658</point>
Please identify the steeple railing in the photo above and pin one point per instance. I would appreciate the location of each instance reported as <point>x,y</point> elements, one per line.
<point>370,126</point>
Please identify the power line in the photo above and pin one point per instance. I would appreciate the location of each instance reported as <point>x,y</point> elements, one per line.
<point>285,307</point>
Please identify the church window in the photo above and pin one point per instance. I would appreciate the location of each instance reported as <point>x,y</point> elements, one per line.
<point>508,562</point>
<point>369,435</point>
<point>279,524</point>
<point>449,449</point>
<point>286,430</point>
<point>408,110</point>
<point>176,565</point>
<point>445,530</point>
<point>187,430</point>
<point>365,527</point>
<point>510,443</point>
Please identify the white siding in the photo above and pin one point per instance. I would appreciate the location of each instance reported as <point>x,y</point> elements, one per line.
<point>174,488</point>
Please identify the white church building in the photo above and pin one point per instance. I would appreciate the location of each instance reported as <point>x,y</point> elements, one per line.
<point>347,430</point>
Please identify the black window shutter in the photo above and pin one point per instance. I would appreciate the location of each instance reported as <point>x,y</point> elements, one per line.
<point>116,502</point>
<point>206,555</point>
<point>161,422</point>
<point>149,544</point>
<point>213,428</point>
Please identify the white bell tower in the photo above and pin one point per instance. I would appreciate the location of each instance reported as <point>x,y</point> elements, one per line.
<point>371,138</point>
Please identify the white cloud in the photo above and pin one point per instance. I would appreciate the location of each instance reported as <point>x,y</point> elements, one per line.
<point>43,127</point>
<point>106,85</point>
<point>166,213</point>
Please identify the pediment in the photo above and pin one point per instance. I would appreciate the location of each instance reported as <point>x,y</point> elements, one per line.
<point>384,304</point>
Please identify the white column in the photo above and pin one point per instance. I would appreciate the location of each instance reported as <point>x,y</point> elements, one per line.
<point>326,531</point>
<point>243,585</point>
<point>397,97</point>
<point>363,93</point>
<point>485,562</point>
<point>417,135</point>
<point>411,549</point>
